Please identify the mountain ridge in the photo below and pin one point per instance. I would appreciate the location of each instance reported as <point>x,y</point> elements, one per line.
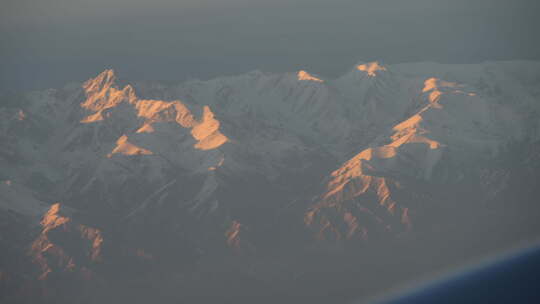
<point>263,165</point>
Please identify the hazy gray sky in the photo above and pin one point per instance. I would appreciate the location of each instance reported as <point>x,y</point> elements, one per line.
<point>46,43</point>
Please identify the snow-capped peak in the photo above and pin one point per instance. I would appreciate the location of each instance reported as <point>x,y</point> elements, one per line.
<point>103,79</point>
<point>371,68</point>
<point>305,76</point>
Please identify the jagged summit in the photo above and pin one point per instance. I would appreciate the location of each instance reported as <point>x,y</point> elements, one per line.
<point>102,95</point>
<point>105,78</point>
<point>185,176</point>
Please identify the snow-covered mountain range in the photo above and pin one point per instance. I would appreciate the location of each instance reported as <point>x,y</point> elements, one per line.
<point>103,179</point>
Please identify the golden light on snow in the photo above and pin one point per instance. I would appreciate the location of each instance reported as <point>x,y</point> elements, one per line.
<point>371,68</point>
<point>43,248</point>
<point>207,132</point>
<point>435,83</point>
<point>433,86</point>
<point>409,131</point>
<point>123,146</point>
<point>102,94</point>
<point>93,118</point>
<point>95,236</point>
<point>51,219</point>
<point>305,76</point>
<point>356,179</point>
<point>146,128</point>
